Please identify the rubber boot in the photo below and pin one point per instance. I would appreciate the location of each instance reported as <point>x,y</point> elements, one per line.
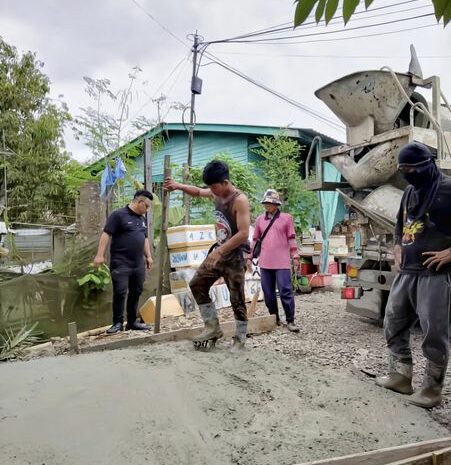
<point>239,339</point>
<point>399,378</point>
<point>430,393</point>
<point>212,330</point>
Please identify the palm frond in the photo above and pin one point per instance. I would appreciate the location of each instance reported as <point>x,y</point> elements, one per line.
<point>12,344</point>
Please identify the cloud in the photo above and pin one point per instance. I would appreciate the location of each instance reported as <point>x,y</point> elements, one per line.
<point>106,38</point>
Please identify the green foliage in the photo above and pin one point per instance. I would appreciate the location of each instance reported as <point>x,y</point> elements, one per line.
<point>280,165</point>
<point>12,344</point>
<point>102,131</point>
<point>106,126</point>
<point>32,125</point>
<point>442,10</point>
<point>95,280</point>
<point>76,175</point>
<point>328,8</point>
<point>242,176</point>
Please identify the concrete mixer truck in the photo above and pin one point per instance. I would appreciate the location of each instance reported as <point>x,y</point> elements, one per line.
<point>382,111</point>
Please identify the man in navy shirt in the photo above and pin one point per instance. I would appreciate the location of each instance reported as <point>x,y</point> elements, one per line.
<point>130,256</point>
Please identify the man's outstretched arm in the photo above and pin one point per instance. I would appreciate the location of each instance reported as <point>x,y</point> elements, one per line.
<point>193,191</point>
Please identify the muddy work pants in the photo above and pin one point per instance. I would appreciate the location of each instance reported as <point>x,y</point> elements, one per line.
<point>126,280</point>
<point>423,298</point>
<point>232,269</point>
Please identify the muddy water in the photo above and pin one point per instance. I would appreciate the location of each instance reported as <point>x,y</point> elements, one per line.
<point>54,301</point>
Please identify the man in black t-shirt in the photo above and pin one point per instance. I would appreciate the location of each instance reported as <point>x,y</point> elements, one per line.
<point>421,290</point>
<point>130,255</point>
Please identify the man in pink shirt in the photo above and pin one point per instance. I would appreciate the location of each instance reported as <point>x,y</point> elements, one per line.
<point>278,248</point>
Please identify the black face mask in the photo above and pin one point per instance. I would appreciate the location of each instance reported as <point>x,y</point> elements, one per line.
<point>420,178</point>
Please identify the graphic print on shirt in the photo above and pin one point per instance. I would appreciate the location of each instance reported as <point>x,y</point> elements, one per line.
<point>410,230</point>
<point>223,228</point>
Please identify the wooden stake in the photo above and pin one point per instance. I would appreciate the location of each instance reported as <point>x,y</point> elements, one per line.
<point>253,306</point>
<point>73,339</point>
<point>148,186</point>
<point>163,243</point>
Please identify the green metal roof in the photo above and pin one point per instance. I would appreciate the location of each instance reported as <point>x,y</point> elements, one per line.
<point>304,135</point>
<point>235,128</point>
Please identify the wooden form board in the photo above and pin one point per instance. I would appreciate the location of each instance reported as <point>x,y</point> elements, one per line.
<point>257,325</point>
<point>437,457</point>
<point>419,453</point>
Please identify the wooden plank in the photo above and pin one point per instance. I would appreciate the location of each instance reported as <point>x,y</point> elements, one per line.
<point>257,325</point>
<point>388,455</point>
<point>148,186</point>
<point>163,244</point>
<point>253,306</point>
<point>93,332</point>
<point>377,139</point>
<point>437,457</point>
<point>325,185</point>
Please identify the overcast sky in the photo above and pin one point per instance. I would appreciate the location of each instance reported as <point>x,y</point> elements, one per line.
<point>107,38</point>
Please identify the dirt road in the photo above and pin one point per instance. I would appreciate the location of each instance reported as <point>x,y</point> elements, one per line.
<point>288,399</point>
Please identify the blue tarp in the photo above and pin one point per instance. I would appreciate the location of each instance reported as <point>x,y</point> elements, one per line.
<point>109,178</point>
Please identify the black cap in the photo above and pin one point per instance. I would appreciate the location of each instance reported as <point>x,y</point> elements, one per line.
<point>143,193</point>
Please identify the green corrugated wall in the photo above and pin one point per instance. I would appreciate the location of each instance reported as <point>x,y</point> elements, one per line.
<point>205,147</point>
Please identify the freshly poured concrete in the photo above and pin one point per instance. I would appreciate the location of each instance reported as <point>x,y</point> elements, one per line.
<point>167,404</point>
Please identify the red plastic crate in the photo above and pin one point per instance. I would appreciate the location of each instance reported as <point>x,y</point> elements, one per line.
<point>319,280</point>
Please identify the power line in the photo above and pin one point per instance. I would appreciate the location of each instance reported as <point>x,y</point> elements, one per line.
<point>275,29</point>
<point>162,26</point>
<point>353,37</point>
<point>289,100</point>
<point>366,17</point>
<point>332,32</point>
<point>340,57</point>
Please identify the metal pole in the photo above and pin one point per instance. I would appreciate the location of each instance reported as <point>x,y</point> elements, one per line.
<point>163,244</point>
<point>186,174</point>
<point>148,186</point>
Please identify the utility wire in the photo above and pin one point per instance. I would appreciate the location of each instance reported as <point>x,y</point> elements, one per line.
<point>340,57</point>
<point>352,37</point>
<point>289,100</point>
<point>336,21</point>
<point>161,25</point>
<point>332,32</point>
<point>276,29</point>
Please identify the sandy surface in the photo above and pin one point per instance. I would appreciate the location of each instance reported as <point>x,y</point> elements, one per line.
<point>287,399</point>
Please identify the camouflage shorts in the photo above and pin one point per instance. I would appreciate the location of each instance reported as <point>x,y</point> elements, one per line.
<point>232,268</point>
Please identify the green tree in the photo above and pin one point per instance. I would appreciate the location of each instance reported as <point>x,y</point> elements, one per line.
<point>31,130</point>
<point>107,128</point>
<point>327,8</point>
<point>76,175</point>
<point>281,164</point>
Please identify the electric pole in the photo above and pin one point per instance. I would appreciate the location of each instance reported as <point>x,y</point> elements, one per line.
<point>196,89</point>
